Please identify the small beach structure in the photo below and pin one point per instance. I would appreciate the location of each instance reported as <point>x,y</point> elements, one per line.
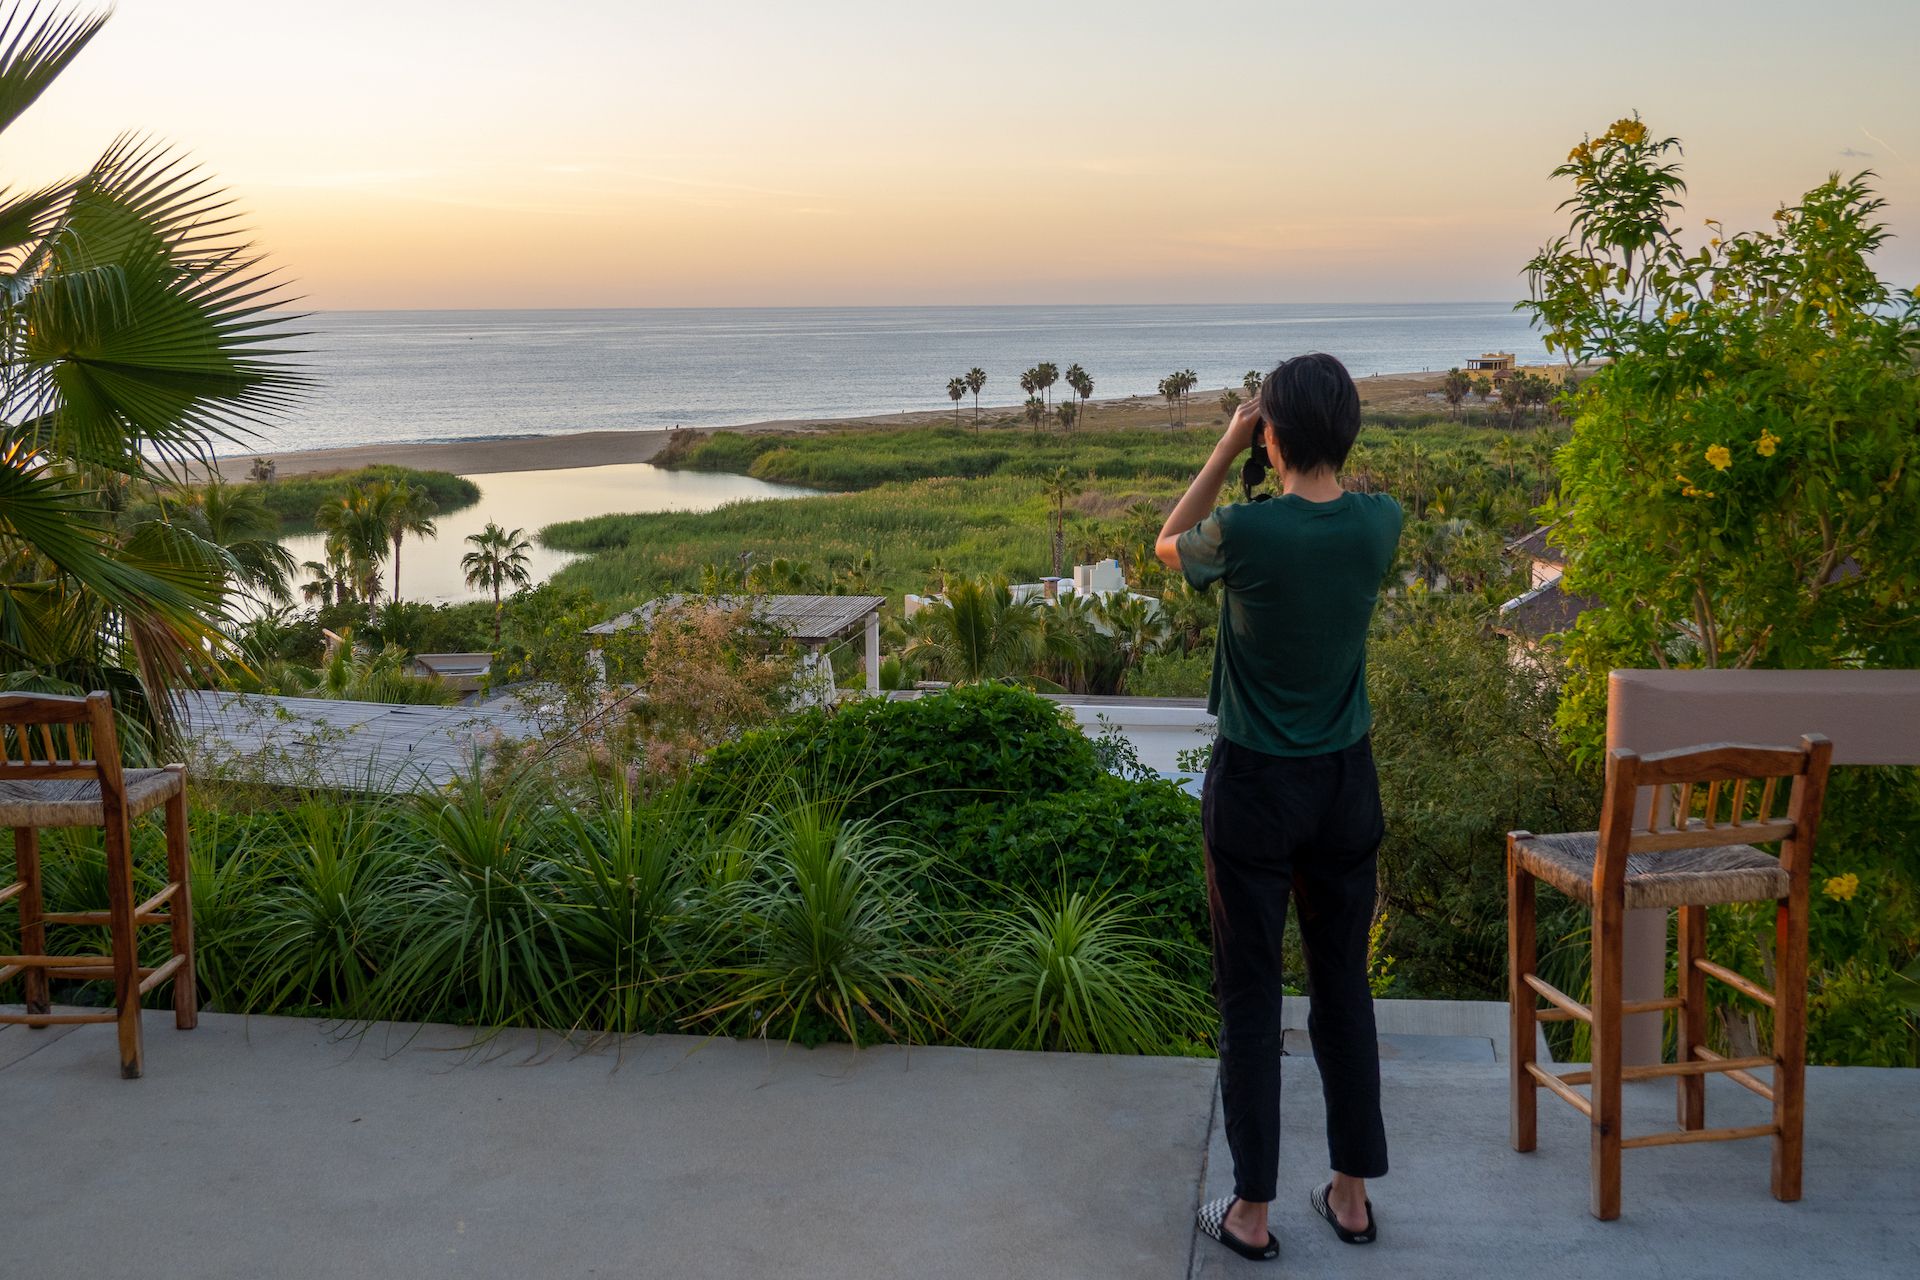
<point>1495,364</point>
<point>819,623</point>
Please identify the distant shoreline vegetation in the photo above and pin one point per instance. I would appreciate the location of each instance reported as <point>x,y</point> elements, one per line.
<point>295,499</point>
<point>906,507</point>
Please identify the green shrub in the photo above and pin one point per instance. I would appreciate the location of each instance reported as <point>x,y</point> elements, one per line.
<point>1172,675</point>
<point>916,760</point>
<point>1140,840</point>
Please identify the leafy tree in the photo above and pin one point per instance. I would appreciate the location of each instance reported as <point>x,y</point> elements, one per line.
<point>956,391</point>
<point>135,332</point>
<point>1741,483</point>
<point>498,557</point>
<point>1066,411</point>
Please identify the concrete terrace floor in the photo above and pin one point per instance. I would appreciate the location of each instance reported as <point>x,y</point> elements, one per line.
<point>270,1148</point>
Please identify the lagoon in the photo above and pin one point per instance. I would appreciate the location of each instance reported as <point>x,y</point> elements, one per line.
<point>531,500</point>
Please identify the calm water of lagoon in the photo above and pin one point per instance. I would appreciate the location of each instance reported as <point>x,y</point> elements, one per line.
<point>530,500</point>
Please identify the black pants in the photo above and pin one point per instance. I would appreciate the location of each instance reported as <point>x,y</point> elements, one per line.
<point>1309,826</point>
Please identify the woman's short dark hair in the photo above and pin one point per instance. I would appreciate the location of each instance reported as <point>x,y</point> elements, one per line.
<point>1312,408</point>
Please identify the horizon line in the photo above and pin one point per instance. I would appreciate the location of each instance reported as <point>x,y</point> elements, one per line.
<point>909,306</point>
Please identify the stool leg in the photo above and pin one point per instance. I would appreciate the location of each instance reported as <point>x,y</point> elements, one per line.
<point>33,932</point>
<point>1789,1040</point>
<point>1608,957</point>
<point>1521,1024</point>
<point>1692,1101</point>
<point>126,949</point>
<point>186,992</point>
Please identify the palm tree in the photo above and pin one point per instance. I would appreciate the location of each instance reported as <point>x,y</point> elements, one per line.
<point>1045,375</point>
<point>1030,382</point>
<point>1454,389</point>
<point>236,519</point>
<point>1253,381</point>
<point>134,334</point>
<point>1082,386</point>
<point>327,581</point>
<point>1191,616</point>
<point>976,381</point>
<point>1066,411</point>
<point>1036,411</point>
<point>956,391</point>
<point>979,632</point>
<point>356,527</point>
<point>1059,488</point>
<point>498,557</point>
<point>1229,401</point>
<point>1507,451</point>
<point>411,510</point>
<point>1136,625</point>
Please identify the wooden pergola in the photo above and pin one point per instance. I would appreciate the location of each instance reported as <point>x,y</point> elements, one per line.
<point>814,621</point>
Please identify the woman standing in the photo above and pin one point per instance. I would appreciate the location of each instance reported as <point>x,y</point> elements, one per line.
<point>1291,803</point>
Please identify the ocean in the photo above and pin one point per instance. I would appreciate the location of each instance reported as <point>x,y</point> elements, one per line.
<point>403,376</point>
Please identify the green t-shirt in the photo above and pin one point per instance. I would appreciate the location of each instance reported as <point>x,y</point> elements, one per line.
<point>1300,581</point>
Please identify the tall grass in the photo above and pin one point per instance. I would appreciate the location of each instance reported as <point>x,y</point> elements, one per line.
<point>821,937</point>
<point>1077,971</point>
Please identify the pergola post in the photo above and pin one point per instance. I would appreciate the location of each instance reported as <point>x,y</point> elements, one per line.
<point>873,652</point>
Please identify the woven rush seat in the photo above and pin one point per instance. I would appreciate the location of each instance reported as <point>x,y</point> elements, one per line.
<point>76,802</point>
<point>1676,878</point>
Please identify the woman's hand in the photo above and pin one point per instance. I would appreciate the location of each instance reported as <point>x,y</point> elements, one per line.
<point>1205,489</point>
<point>1240,431</point>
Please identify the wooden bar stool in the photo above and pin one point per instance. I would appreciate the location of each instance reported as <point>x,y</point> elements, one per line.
<point>1695,850</point>
<point>40,787</point>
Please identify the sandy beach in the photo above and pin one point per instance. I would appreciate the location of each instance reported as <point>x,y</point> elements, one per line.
<point>1393,391</point>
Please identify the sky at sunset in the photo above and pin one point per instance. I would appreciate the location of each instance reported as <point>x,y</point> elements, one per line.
<point>585,154</point>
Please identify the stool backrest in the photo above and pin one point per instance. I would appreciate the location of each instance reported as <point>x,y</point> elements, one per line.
<point>52,736</point>
<point>1719,780</point>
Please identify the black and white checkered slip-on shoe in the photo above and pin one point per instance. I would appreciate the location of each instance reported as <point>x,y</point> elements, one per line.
<point>1212,1221</point>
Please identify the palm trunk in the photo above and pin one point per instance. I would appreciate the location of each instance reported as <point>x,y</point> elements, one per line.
<point>496,613</point>
<point>396,569</point>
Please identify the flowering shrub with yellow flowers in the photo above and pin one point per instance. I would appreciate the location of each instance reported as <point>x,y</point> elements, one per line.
<point>1741,488</point>
<point>1742,485</point>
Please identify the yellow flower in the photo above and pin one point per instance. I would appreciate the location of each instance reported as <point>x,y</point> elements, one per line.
<point>1677,318</point>
<point>1768,443</point>
<point>1631,132</point>
<point>1842,888</point>
<point>1719,456</point>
